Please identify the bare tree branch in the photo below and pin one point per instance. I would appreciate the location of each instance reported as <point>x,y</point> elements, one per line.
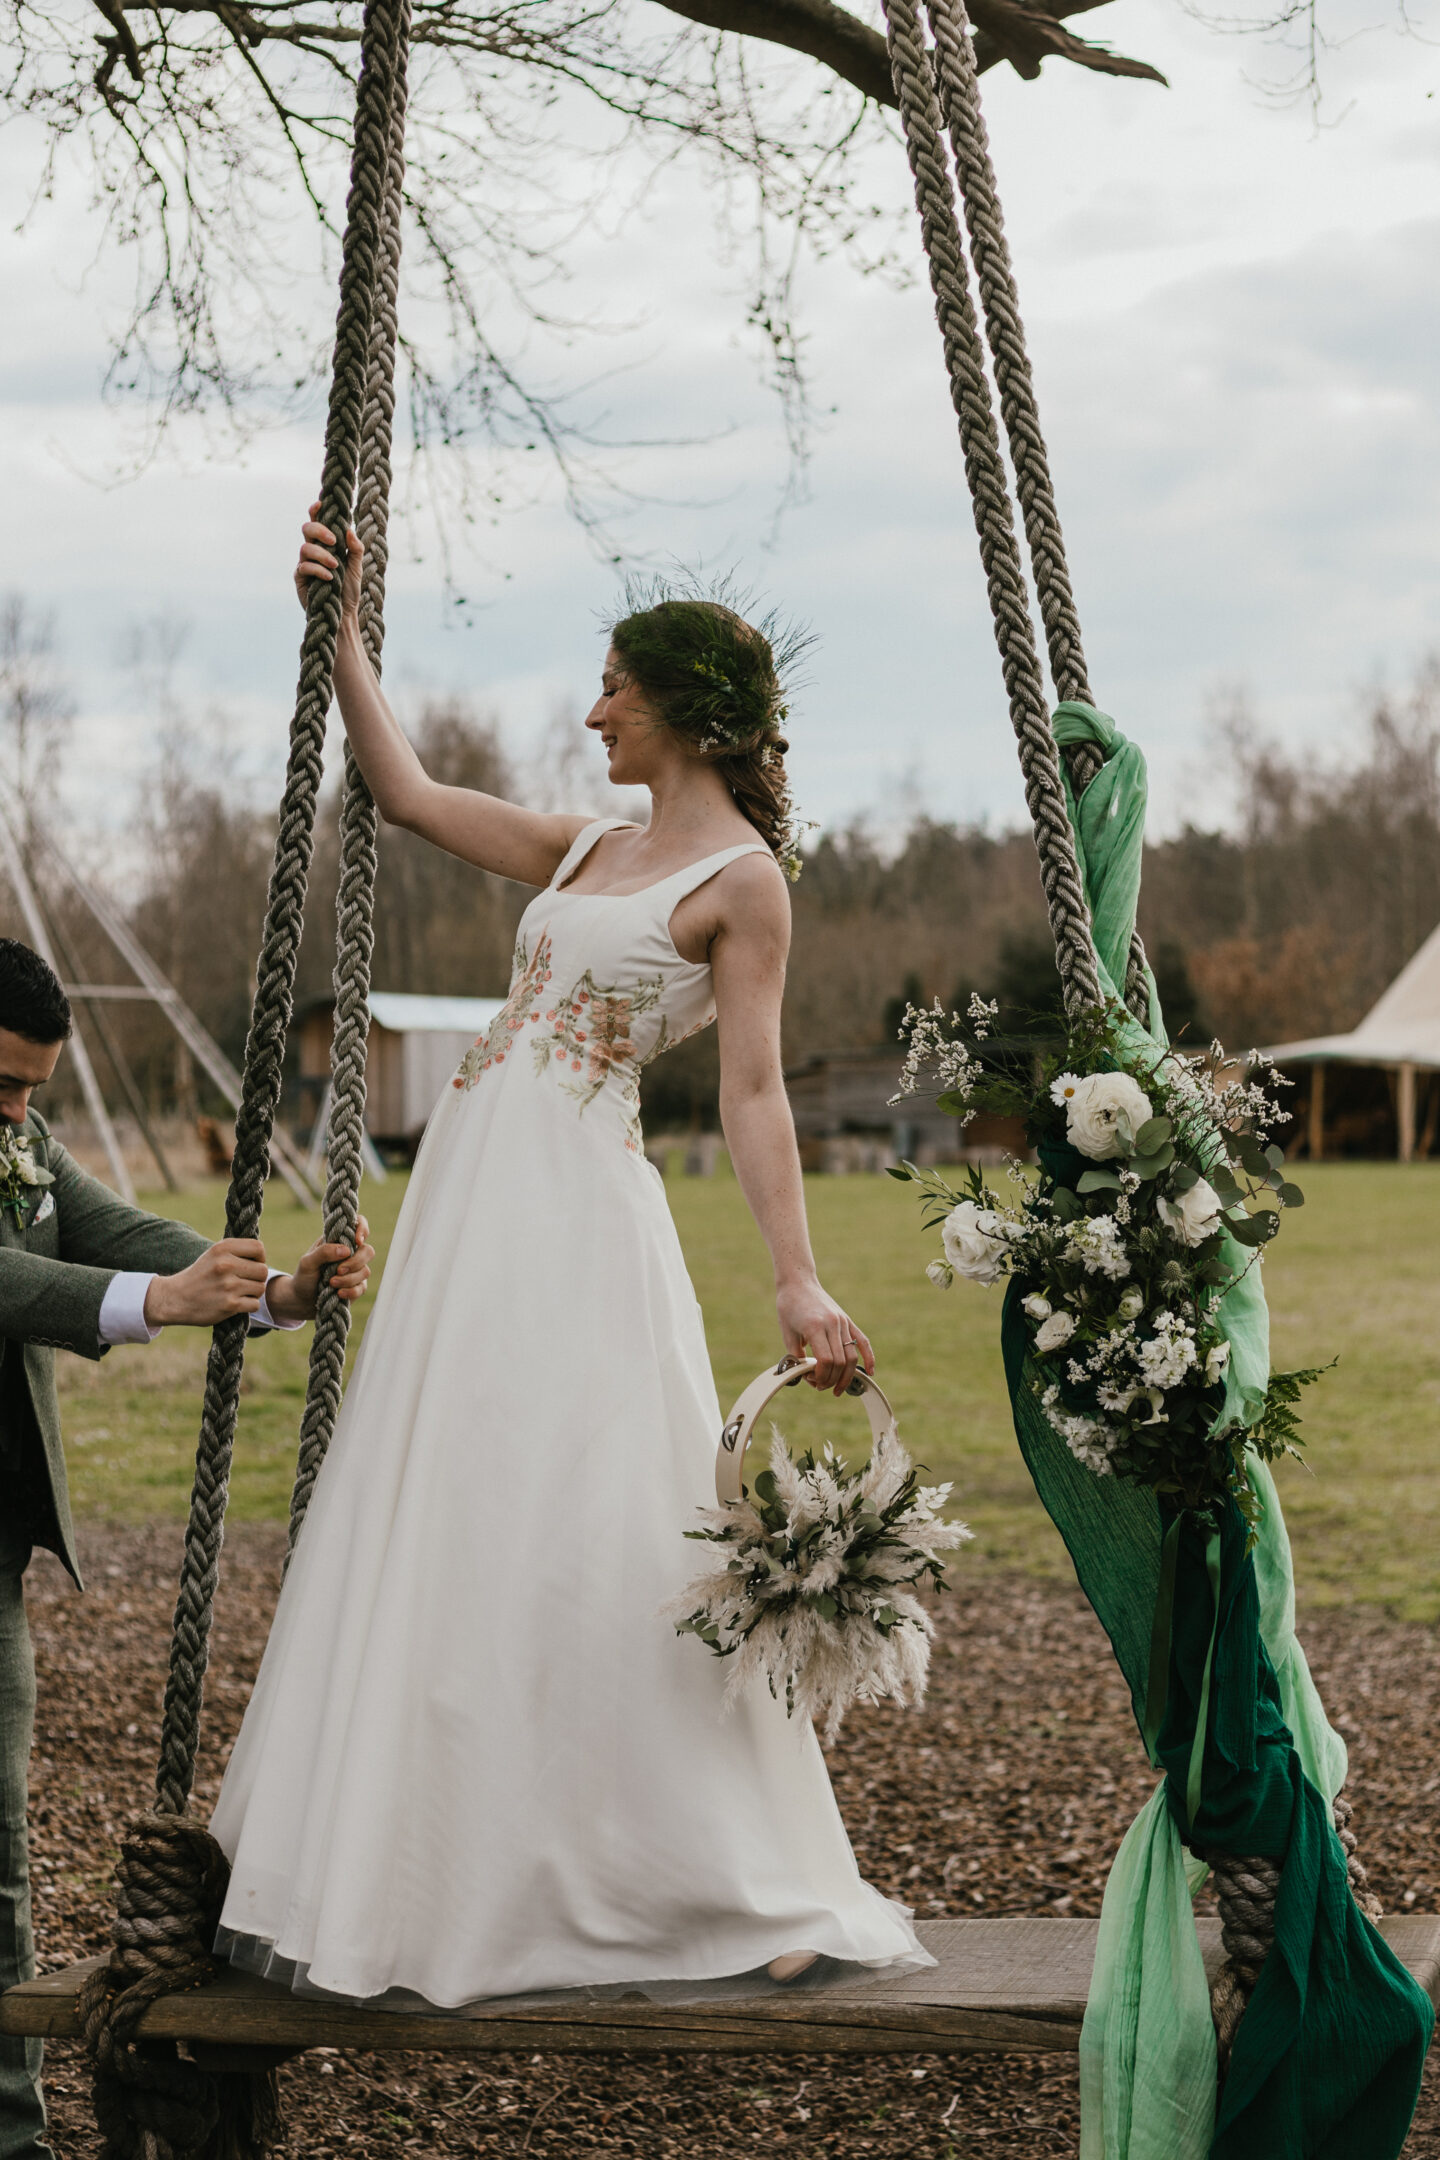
<point>1005,30</point>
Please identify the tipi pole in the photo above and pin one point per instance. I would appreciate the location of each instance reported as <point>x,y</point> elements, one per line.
<point>39,937</point>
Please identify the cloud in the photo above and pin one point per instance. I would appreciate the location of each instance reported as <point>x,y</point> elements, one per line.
<point>1232,318</point>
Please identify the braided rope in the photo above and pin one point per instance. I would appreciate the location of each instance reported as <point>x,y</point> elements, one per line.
<point>994,276</point>
<point>355,900</point>
<point>1246,1888</point>
<point>170,1884</point>
<point>150,2102</point>
<point>280,943</point>
<point>985,471</point>
<point>959,87</point>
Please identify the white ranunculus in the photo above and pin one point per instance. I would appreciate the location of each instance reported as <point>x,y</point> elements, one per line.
<point>974,1241</point>
<point>1217,1362</point>
<point>1036,1307</point>
<point>1132,1304</point>
<point>1105,1112</point>
<point>941,1274</point>
<point>1192,1216</point>
<point>1055,1332</point>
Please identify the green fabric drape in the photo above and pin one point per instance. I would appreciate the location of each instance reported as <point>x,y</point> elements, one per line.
<point>1328,2056</point>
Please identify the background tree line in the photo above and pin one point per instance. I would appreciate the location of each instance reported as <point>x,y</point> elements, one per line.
<point>1286,919</point>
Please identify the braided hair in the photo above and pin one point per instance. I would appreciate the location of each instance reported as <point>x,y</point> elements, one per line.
<point>717,682</point>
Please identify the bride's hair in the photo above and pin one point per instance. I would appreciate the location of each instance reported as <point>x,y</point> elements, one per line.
<point>718,682</point>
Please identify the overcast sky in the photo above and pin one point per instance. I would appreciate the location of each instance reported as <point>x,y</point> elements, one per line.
<point>1234,319</point>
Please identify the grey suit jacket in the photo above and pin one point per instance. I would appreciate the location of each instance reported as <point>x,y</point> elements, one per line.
<point>54,1273</point>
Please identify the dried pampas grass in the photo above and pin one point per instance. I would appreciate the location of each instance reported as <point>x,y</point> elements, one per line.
<point>818,1589</point>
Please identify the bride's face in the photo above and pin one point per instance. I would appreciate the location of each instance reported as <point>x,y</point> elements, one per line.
<point>637,741</point>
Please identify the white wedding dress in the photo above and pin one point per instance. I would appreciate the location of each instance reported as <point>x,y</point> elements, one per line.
<point>477,1761</point>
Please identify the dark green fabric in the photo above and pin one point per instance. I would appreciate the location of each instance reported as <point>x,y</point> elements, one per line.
<point>53,1277</point>
<point>1327,2060</point>
<point>1328,2056</point>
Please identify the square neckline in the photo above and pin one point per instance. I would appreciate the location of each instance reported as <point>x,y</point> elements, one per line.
<point>567,891</point>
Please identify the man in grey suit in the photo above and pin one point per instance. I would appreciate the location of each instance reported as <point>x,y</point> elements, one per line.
<point>80,1270</point>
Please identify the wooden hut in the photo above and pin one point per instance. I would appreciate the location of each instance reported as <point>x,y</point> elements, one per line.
<point>416,1043</point>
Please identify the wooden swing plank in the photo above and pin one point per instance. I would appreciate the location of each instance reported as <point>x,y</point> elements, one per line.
<point>1016,1986</point>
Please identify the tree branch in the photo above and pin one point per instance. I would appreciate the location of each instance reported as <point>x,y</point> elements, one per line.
<point>1012,30</point>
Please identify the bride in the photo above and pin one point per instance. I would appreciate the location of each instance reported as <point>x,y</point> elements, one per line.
<point>477,1762</point>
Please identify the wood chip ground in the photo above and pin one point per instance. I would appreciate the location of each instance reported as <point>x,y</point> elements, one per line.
<point>1007,1794</point>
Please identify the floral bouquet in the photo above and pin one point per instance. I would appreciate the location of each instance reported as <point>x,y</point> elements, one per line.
<point>817,1590</point>
<point>1152,1175</point>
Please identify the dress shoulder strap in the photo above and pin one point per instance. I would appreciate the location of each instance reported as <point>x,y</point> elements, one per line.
<point>581,845</point>
<point>680,883</point>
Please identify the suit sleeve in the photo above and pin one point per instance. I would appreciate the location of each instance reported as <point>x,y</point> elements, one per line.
<point>51,1302</point>
<point>56,1302</point>
<point>99,1230</point>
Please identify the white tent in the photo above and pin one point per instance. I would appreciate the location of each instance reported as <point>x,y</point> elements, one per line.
<point>1400,1034</point>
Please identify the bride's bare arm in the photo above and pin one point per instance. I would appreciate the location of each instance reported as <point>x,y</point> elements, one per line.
<point>483,829</point>
<point>747,955</point>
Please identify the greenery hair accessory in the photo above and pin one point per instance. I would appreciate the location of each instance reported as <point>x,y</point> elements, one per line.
<point>721,682</point>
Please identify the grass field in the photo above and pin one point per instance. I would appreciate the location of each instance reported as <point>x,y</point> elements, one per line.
<point>1356,1273</point>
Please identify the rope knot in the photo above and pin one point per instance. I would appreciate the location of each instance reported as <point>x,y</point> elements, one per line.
<point>151,2102</point>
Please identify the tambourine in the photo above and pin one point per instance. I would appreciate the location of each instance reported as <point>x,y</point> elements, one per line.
<point>741,1423</point>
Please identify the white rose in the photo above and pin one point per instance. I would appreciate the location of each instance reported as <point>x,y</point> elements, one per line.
<point>1132,1304</point>
<point>1194,1216</point>
<point>1105,1112</point>
<point>1036,1306</point>
<point>941,1274</point>
<point>974,1241</point>
<point>1055,1332</point>
<point>1217,1363</point>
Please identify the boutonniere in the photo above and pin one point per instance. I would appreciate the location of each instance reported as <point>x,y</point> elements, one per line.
<point>21,1176</point>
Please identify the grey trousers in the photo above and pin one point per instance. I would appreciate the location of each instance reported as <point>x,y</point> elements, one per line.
<point>22,2109</point>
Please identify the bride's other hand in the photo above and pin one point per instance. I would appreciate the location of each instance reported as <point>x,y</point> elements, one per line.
<point>318,562</point>
<point>813,1325</point>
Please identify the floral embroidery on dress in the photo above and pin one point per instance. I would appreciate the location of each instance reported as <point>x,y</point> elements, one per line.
<point>528,980</point>
<point>591,1032</point>
<point>588,1036</point>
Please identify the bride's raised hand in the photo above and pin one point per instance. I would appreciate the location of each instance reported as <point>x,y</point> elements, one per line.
<point>813,1325</point>
<point>318,562</point>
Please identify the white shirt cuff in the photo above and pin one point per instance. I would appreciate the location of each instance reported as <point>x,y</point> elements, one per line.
<point>122,1310</point>
<point>263,1318</point>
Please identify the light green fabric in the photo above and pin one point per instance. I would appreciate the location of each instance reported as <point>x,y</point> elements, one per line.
<point>1147,2050</point>
<point>1109,824</point>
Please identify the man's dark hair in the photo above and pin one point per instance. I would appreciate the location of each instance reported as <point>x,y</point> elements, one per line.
<point>32,1002</point>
